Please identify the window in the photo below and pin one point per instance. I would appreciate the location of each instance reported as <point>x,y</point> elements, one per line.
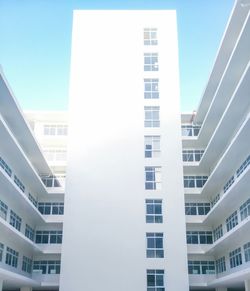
<point>243,166</point>
<point>151,62</point>
<point>53,267</point>
<point>218,232</point>
<point>151,88</point>
<point>152,178</point>
<point>47,267</point>
<point>232,221</point>
<point>57,208</point>
<point>235,258</point>
<point>247,251</point>
<point>201,267</point>
<point>152,146</point>
<point>197,208</point>
<point>154,211</point>
<point>11,257</point>
<point>54,208</point>
<point>220,265</point>
<point>48,237</point>
<point>55,129</point>
<point>40,267</point>
<point>190,130</point>
<point>1,251</point>
<point>192,155</point>
<point>5,167</point>
<point>15,220</point>
<point>199,237</point>
<point>215,200</point>
<point>155,280</point>
<point>228,184</point>
<point>152,116</point>
<point>155,245</point>
<point>27,265</point>
<point>44,208</point>
<point>52,181</point>
<point>3,210</point>
<point>194,181</point>
<point>33,200</point>
<point>150,36</point>
<point>55,154</point>
<point>19,183</point>
<point>29,232</point>
<point>245,210</point>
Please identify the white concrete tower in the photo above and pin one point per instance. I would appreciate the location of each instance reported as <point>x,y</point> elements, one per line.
<point>124,216</point>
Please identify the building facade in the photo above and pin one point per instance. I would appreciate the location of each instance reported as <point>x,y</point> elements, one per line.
<point>123,81</point>
<point>154,200</point>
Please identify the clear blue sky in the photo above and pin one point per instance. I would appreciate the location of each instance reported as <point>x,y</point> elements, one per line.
<point>35,40</point>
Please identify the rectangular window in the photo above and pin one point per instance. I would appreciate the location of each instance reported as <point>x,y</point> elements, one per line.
<point>152,116</point>
<point>3,210</point>
<point>220,265</point>
<point>151,62</point>
<point>150,36</point>
<point>215,200</point>
<point>201,267</point>
<point>245,210</point>
<point>48,237</point>
<point>155,280</point>
<point>192,155</point>
<point>5,167</point>
<point>151,88</point>
<point>29,232</point>
<point>40,267</point>
<point>155,245</point>
<point>54,208</point>
<point>57,208</point>
<point>152,178</point>
<point>190,130</point>
<point>11,257</point>
<point>194,181</point>
<point>27,265</point>
<point>55,154</point>
<point>15,220</point>
<point>228,184</point>
<point>47,267</point>
<point>53,181</point>
<point>232,221</point>
<point>1,251</point>
<point>243,166</point>
<point>218,232</point>
<point>44,208</point>
<point>152,146</point>
<point>197,208</point>
<point>235,258</point>
<point>33,200</point>
<point>247,251</point>
<point>154,211</point>
<point>199,237</point>
<point>53,267</point>
<point>19,183</point>
<point>55,129</point>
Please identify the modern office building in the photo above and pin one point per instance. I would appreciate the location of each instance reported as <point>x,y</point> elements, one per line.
<point>155,200</point>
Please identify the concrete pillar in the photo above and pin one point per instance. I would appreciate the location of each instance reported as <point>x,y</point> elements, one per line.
<point>221,289</point>
<point>25,289</point>
<point>1,284</point>
<point>247,285</point>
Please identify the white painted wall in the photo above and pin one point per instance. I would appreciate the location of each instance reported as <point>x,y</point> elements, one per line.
<point>104,246</point>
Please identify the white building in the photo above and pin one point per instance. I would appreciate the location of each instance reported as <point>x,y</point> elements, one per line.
<point>126,207</point>
<point>111,180</point>
<point>31,215</point>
